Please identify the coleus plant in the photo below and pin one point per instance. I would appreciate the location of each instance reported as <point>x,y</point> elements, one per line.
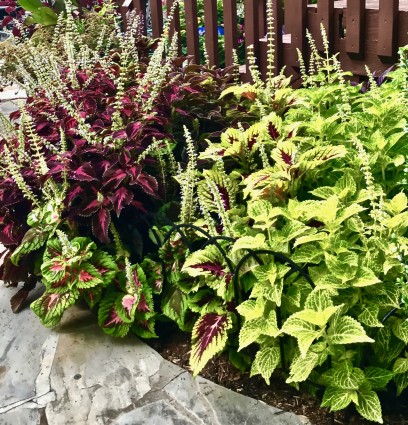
<point>91,151</point>
<point>318,185</point>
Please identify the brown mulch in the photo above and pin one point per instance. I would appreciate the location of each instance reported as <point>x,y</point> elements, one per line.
<point>174,346</point>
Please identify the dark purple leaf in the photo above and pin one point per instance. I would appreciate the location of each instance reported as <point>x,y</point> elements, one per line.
<point>100,225</point>
<point>139,206</point>
<point>90,208</point>
<point>121,198</point>
<point>132,129</point>
<point>73,193</point>
<point>85,173</point>
<point>148,183</point>
<point>113,177</point>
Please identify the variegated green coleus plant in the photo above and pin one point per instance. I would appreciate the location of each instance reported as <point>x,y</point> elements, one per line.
<point>322,183</point>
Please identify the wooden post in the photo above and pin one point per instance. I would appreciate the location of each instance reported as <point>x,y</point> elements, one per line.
<point>388,29</point>
<point>175,24</point>
<point>156,10</point>
<point>230,30</point>
<point>140,8</point>
<point>193,48</point>
<point>262,18</point>
<point>296,22</point>
<point>211,31</point>
<point>124,9</point>
<point>325,14</point>
<point>355,29</point>
<point>277,7</point>
<point>251,31</point>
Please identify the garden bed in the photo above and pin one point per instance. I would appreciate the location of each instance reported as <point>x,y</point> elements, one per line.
<point>175,347</point>
<point>269,223</point>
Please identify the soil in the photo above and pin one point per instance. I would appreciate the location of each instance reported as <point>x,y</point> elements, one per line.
<point>174,346</point>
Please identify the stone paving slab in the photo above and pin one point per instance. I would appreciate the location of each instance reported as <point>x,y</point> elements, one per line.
<point>75,374</point>
<point>10,99</point>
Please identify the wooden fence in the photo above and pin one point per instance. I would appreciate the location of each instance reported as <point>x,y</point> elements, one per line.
<point>364,32</point>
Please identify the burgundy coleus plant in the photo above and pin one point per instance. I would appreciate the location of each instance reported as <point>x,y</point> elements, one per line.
<point>102,178</point>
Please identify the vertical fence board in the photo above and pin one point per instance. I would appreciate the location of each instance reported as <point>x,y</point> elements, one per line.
<point>175,23</point>
<point>262,18</point>
<point>140,8</point>
<point>355,30</point>
<point>211,31</point>
<point>296,22</point>
<point>193,47</point>
<point>325,14</point>
<point>388,28</point>
<point>124,6</point>
<point>156,11</point>
<point>230,30</point>
<point>251,31</point>
<point>277,9</point>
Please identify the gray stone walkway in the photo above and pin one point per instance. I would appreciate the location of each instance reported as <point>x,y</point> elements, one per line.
<point>75,374</point>
<point>10,98</point>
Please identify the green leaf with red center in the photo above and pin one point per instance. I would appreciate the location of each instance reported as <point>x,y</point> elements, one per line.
<point>91,296</point>
<point>209,263</point>
<point>108,317</point>
<point>50,307</point>
<point>125,306</point>
<point>209,337</point>
<point>87,277</point>
<point>34,239</point>
<point>145,328</point>
<point>105,265</point>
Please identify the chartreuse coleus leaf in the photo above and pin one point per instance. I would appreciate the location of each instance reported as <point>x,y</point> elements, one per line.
<point>209,337</point>
<point>251,330</point>
<point>344,376</point>
<point>346,330</point>
<point>252,309</point>
<point>378,377</point>
<point>401,380</point>
<point>387,347</point>
<point>400,329</point>
<point>263,214</point>
<point>369,316</point>
<point>400,365</point>
<point>250,242</point>
<point>309,253</point>
<point>338,399</point>
<point>269,282</point>
<point>303,331</point>
<point>266,361</point>
<point>369,405</point>
<point>343,266</point>
<point>309,324</point>
<point>365,277</point>
<point>346,384</point>
<point>301,368</point>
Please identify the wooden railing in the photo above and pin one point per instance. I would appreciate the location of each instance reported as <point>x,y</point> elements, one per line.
<point>363,32</point>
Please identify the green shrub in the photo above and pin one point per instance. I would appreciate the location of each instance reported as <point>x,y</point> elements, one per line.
<point>316,178</point>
